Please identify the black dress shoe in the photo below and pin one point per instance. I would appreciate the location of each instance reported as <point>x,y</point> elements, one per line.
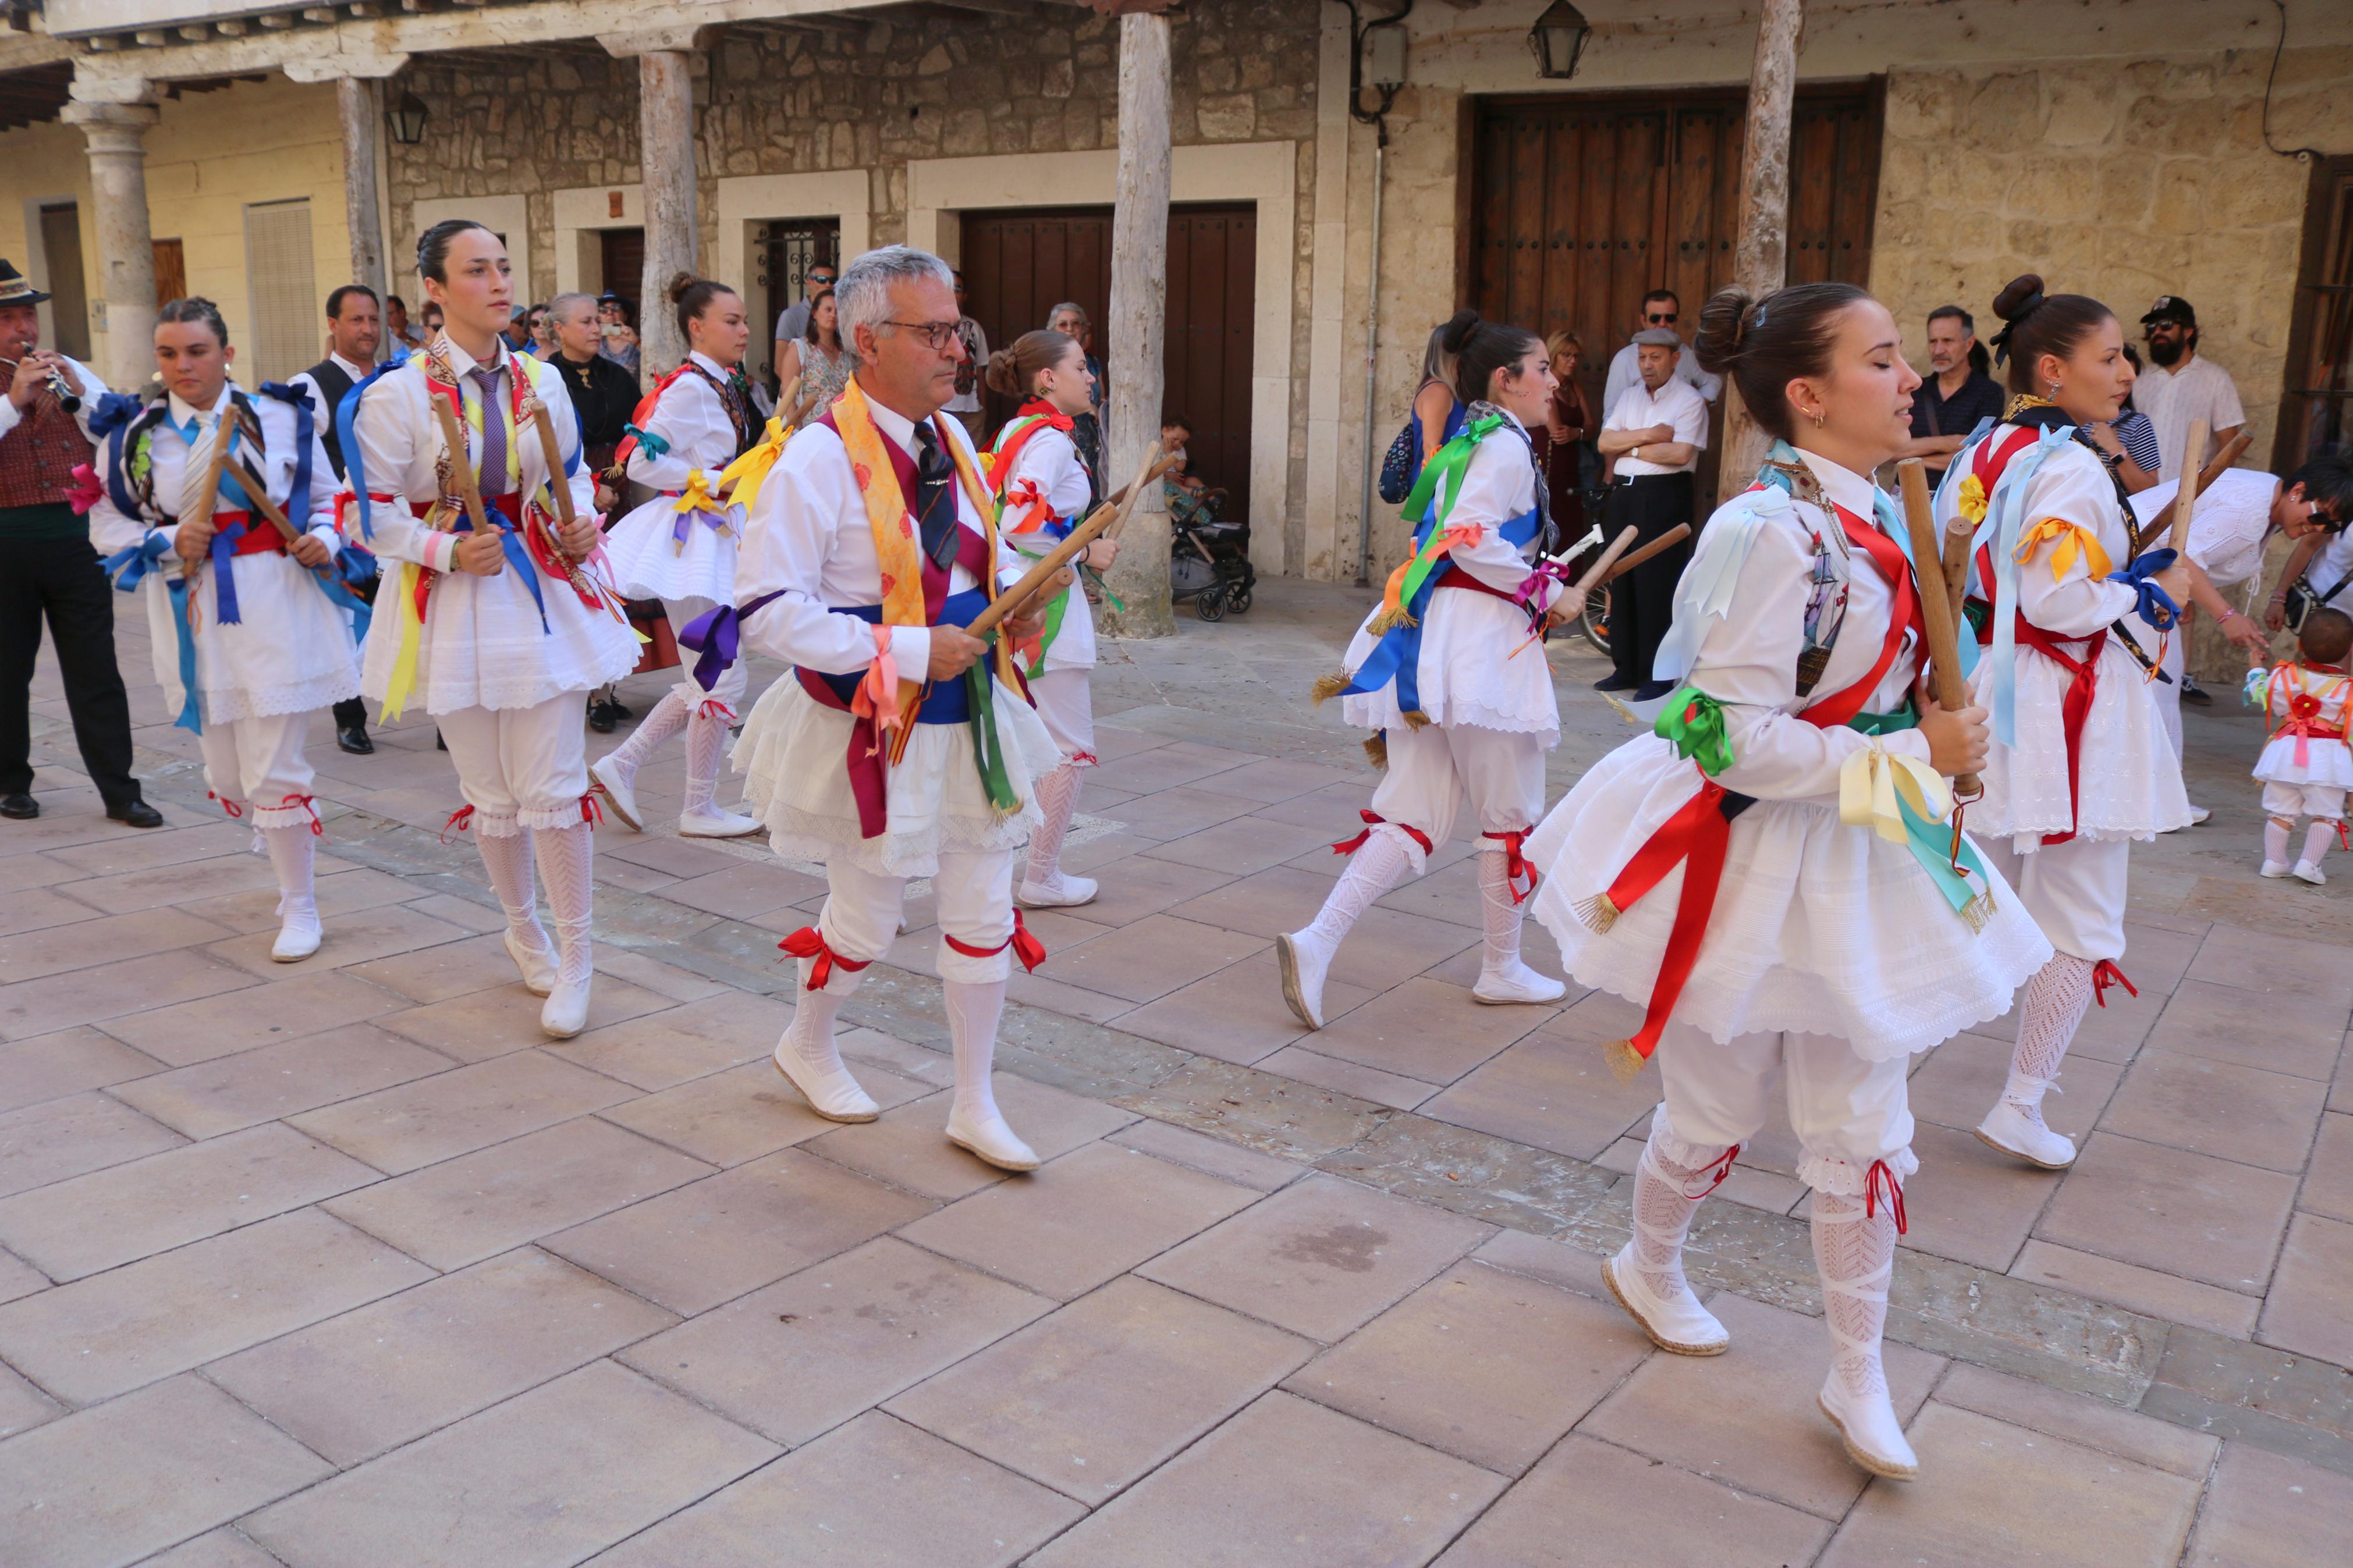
<point>603,716</point>
<point>21,807</point>
<point>1615,682</point>
<point>138,813</point>
<point>1652,691</point>
<point>2193,692</point>
<point>355,740</point>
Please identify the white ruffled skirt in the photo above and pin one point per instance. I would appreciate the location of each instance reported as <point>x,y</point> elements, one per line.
<point>1819,927</point>
<point>482,645</point>
<point>794,755</point>
<point>1468,673</point>
<point>2130,779</point>
<point>2326,762</point>
<point>290,651</point>
<point>648,561</point>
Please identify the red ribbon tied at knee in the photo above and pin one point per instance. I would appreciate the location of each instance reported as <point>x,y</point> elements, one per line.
<point>1515,867</point>
<point>809,943</point>
<point>318,830</point>
<point>1374,820</point>
<point>2106,974</point>
<point>1872,1179</point>
<point>459,820</point>
<point>1027,948</point>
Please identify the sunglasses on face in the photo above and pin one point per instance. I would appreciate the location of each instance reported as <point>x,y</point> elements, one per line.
<point>1660,318</point>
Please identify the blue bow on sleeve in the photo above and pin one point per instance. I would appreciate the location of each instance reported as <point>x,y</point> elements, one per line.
<point>128,567</point>
<point>2157,607</point>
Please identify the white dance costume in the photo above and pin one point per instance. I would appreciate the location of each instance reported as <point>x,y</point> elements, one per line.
<point>1043,490</point>
<point>2306,766</point>
<point>1766,873</point>
<point>248,643</point>
<point>681,548</point>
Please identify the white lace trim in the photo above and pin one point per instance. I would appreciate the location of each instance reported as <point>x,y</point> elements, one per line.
<point>230,704</point>
<point>1843,1178</point>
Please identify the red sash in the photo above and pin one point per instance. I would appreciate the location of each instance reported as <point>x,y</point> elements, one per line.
<point>1697,835</point>
<point>264,540</point>
<point>2082,685</point>
<point>1990,462</point>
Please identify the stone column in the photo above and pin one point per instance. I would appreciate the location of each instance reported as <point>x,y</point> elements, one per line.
<point>359,101</point>
<point>666,137</point>
<point>126,248</point>
<point>1139,310</point>
<point>1760,255</point>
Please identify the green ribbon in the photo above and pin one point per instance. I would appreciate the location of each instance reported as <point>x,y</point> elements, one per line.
<point>986,749</point>
<point>1695,721</point>
<point>1059,607</point>
<point>1931,843</point>
<point>1447,462</point>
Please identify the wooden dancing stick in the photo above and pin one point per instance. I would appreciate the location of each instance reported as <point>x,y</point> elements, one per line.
<point>2222,461</point>
<point>553,452</point>
<point>1935,608</point>
<point>1665,541</point>
<point>1155,463</point>
<point>1040,577</point>
<point>257,491</point>
<point>2185,495</point>
<point>461,462</point>
<point>1960,534</point>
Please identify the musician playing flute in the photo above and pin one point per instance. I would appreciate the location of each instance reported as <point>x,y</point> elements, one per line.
<point>502,627</point>
<point>250,640</point>
<point>1447,671</point>
<point>1771,873</point>
<point>864,555</point>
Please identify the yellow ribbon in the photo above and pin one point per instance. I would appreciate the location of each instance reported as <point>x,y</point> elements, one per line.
<point>1870,784</point>
<point>412,629</point>
<point>750,471</point>
<point>2073,537</point>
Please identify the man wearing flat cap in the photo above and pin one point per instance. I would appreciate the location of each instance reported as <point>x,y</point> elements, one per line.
<point>1655,431</point>
<point>2181,384</point>
<point>48,569</point>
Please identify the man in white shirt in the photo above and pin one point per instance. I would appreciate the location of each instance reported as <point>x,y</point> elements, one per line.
<point>2181,384</point>
<point>1656,432</point>
<point>1659,308</point>
<point>353,331</point>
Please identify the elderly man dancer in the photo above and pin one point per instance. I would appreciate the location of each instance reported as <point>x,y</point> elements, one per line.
<point>901,746</point>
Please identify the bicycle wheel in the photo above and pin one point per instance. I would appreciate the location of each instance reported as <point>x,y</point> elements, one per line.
<point>1593,624</point>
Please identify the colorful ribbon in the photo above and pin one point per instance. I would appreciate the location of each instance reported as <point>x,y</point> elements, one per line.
<point>748,472</point>
<point>809,943</point>
<point>696,498</point>
<point>1693,722</point>
<point>2106,974</point>
<point>1373,819</point>
<point>1027,948</point>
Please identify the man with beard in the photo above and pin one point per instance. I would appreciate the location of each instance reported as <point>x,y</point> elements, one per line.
<point>2181,384</point>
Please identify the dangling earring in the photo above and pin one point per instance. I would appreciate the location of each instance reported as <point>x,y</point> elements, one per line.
<point>1819,417</point>
<point>2054,392</point>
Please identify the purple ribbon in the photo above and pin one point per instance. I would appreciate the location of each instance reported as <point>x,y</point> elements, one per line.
<point>718,635</point>
<point>1546,570</point>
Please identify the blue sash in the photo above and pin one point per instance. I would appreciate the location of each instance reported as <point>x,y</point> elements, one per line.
<point>947,702</point>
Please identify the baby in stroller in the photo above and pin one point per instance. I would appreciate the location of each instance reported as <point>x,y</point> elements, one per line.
<point>1208,555</point>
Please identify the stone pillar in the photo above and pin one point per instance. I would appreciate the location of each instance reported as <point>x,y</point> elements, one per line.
<point>359,101</point>
<point>1760,255</point>
<point>666,137</point>
<point>1139,310</point>
<point>126,248</point>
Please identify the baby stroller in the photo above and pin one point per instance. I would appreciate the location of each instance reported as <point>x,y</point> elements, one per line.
<point>1208,561</point>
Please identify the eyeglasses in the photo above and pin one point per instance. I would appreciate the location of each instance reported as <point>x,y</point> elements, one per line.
<point>820,277</point>
<point>1659,318</point>
<point>938,334</point>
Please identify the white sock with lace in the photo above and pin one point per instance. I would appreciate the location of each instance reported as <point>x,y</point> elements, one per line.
<point>1666,1195</point>
<point>706,744</point>
<point>2316,839</point>
<point>975,1008</point>
<point>1502,917</point>
<point>293,856</point>
<point>1380,863</point>
<point>2055,1002</point>
<point>567,865</point>
<point>668,717</point>
<point>507,857</point>
<point>1058,801</point>
<point>2275,834</point>
<point>1856,1254</point>
<point>810,1034</point>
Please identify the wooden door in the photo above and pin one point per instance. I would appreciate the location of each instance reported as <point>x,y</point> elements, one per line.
<point>1018,265</point>
<point>624,264</point>
<point>2316,409</point>
<point>1582,204</point>
<point>171,271</point>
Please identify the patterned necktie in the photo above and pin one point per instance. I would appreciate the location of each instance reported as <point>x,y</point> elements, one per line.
<point>202,432</point>
<point>494,432</point>
<point>935,507</point>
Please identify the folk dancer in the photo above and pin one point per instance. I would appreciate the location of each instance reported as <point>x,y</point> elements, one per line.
<point>680,547</point>
<point>1449,672</point>
<point>2306,766</point>
<point>1824,924</point>
<point>861,562</point>
<point>498,633</point>
<point>2061,678</point>
<point>250,631</point>
<point>1043,487</point>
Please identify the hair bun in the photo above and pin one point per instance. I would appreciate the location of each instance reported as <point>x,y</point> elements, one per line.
<point>1458,330</point>
<point>1004,374</point>
<point>679,283</point>
<point>2019,299</point>
<point>1724,324</point>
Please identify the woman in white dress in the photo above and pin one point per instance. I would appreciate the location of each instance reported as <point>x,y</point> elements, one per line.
<point>1446,670</point>
<point>1043,489</point>
<point>1766,873</point>
<point>680,546</point>
<point>502,633</point>
<point>248,639</point>
<point>2080,763</point>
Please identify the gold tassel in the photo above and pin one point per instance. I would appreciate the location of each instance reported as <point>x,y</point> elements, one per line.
<point>1624,1060</point>
<point>1389,620</point>
<point>1978,913</point>
<point>1417,719</point>
<point>1376,748</point>
<point>1597,914</point>
<point>1327,687</point>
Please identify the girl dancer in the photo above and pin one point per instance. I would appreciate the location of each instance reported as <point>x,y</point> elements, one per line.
<point>1043,489</point>
<point>1818,927</point>
<point>2060,679</point>
<point>250,640</point>
<point>2306,766</point>
<point>503,632</point>
<point>680,547</point>
<point>1444,671</point>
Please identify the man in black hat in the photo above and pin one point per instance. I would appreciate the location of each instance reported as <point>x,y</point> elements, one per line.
<point>48,568</point>
<point>2181,384</point>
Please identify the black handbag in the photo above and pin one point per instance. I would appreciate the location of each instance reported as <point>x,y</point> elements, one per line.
<point>1397,468</point>
<point>2302,601</point>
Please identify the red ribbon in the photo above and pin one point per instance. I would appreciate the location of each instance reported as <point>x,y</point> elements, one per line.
<point>1027,948</point>
<point>1722,1169</point>
<point>459,820</point>
<point>2303,723</point>
<point>1515,866</point>
<point>304,801</point>
<point>712,708</point>
<point>2083,686</point>
<point>1372,820</point>
<point>2106,974</point>
<point>235,808</point>
<point>1872,1178</point>
<point>1697,834</point>
<point>590,811</point>
<point>809,943</point>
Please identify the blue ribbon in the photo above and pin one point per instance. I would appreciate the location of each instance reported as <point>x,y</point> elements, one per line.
<point>305,433</point>
<point>347,414</point>
<point>223,552</point>
<point>718,635</point>
<point>1397,656</point>
<point>946,701</point>
<point>191,718</point>
<point>128,567</point>
<point>2156,606</point>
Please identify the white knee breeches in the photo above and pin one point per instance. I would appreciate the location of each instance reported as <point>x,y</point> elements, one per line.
<point>2075,890</point>
<point>520,766</point>
<point>1848,1112</point>
<point>1434,770</point>
<point>259,763</point>
<point>972,891</point>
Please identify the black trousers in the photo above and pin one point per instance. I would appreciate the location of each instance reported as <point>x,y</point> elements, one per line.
<point>60,579</point>
<point>1643,602</point>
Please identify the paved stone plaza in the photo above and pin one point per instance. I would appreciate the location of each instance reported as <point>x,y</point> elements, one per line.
<point>339,1262</point>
